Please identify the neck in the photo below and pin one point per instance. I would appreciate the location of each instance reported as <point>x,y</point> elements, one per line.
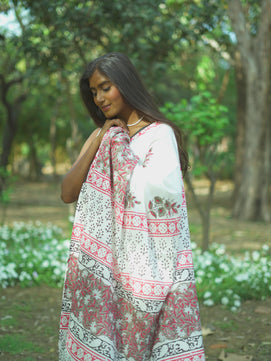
<point>130,116</point>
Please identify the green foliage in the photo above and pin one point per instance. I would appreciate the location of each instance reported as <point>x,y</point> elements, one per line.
<point>204,124</point>
<point>56,40</point>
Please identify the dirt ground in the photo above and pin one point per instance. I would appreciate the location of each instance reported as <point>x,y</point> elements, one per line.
<point>29,317</point>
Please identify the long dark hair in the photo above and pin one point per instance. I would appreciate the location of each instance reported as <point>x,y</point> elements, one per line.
<point>118,68</point>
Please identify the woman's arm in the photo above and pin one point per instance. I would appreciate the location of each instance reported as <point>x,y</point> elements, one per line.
<point>73,180</point>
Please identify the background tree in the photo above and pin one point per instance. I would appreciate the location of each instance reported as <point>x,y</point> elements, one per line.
<point>12,95</point>
<point>205,124</point>
<point>252,25</point>
<point>178,37</point>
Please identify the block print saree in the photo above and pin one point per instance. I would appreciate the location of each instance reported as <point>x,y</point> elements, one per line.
<point>129,291</point>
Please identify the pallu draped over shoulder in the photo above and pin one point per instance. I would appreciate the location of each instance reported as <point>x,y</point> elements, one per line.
<point>129,291</point>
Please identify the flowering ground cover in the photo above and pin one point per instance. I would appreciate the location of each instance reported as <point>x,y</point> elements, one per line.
<point>34,254</point>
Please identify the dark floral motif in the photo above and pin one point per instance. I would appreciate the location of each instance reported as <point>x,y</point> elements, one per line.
<point>130,200</point>
<point>160,207</point>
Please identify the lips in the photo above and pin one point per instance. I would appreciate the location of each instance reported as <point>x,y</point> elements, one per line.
<point>105,108</point>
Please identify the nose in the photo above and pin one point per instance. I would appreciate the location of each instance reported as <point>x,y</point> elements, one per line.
<point>99,97</point>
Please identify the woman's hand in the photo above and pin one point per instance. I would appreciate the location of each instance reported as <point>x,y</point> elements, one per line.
<point>74,179</point>
<point>111,123</point>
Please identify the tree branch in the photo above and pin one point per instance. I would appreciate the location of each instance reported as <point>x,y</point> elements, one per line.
<point>194,196</point>
<point>6,85</point>
<point>11,82</point>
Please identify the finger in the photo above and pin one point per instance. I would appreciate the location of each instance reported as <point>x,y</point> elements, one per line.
<point>117,122</point>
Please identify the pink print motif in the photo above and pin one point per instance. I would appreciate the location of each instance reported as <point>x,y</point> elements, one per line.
<point>147,158</point>
<point>96,306</point>
<point>180,315</point>
<point>160,207</point>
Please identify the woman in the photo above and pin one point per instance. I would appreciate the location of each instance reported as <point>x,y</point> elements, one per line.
<point>129,292</point>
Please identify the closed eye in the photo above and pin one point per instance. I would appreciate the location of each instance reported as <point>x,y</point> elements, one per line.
<point>94,94</point>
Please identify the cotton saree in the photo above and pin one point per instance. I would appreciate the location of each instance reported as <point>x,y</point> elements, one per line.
<point>129,291</point>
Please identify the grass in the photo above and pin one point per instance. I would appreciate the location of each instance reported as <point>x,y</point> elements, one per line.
<point>227,325</point>
<point>8,321</point>
<point>16,344</point>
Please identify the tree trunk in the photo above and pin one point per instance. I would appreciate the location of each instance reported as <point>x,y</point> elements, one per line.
<point>34,163</point>
<point>13,110</point>
<point>53,143</point>
<point>252,191</point>
<point>240,125</point>
<point>8,136</point>
<point>203,209</point>
<point>74,142</point>
<point>250,203</point>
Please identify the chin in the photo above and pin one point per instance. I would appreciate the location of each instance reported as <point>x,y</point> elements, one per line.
<point>114,116</point>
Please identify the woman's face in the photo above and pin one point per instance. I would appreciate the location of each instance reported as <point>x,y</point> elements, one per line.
<point>107,97</point>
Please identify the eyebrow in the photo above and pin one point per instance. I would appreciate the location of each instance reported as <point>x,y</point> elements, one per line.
<point>101,84</point>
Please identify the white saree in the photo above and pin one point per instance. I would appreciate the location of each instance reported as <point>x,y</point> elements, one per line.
<point>129,291</point>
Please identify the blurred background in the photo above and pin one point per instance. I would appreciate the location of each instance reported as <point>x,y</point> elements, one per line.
<point>208,65</point>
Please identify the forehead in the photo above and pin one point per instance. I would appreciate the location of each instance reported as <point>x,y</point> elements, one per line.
<point>97,79</point>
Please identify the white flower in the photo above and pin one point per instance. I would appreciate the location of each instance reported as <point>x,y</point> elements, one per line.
<point>224,267</point>
<point>208,302</point>
<point>24,276</point>
<point>221,250</point>
<point>255,256</point>
<point>193,245</point>
<point>225,300</point>
<point>242,277</point>
<point>207,294</point>
<point>71,219</point>
<point>57,271</point>
<point>45,264</point>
